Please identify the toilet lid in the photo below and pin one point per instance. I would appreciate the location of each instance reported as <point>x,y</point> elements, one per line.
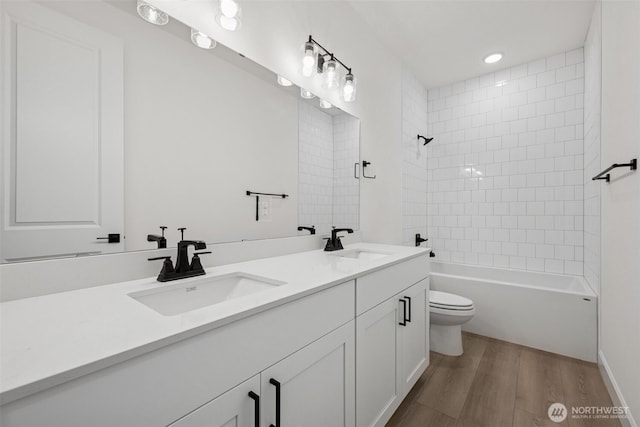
<point>449,301</point>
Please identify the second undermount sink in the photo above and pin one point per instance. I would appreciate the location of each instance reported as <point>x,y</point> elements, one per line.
<point>359,254</point>
<point>192,294</point>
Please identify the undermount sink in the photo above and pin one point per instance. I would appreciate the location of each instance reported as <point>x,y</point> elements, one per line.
<point>359,254</point>
<point>192,294</point>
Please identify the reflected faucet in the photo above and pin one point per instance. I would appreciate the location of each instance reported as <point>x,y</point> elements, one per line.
<point>333,242</point>
<point>161,240</point>
<point>311,230</point>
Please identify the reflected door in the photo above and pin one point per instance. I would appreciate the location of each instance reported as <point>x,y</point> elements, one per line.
<point>62,165</point>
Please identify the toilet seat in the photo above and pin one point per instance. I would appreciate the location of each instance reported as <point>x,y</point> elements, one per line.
<point>446,301</point>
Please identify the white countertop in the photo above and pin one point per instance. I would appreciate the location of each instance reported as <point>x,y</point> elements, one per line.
<point>50,339</point>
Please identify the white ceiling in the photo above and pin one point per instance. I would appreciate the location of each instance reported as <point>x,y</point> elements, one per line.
<point>445,41</point>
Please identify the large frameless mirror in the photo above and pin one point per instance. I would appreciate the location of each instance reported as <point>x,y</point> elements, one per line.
<point>113,127</point>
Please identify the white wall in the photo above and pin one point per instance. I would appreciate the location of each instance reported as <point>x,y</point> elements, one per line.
<point>414,159</point>
<point>505,178</point>
<point>620,275</point>
<point>273,33</point>
<point>592,117</point>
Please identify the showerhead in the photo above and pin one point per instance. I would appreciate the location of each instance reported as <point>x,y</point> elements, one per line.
<point>426,140</point>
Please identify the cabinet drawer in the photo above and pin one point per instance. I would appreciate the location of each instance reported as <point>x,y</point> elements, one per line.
<point>379,286</point>
<point>161,386</point>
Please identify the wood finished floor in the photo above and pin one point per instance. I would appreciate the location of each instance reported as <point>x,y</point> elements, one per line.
<point>499,384</point>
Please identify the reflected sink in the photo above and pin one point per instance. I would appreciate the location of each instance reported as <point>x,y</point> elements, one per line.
<point>204,291</point>
<point>359,254</point>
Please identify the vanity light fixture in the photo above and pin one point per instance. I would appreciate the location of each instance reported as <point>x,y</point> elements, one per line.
<point>151,13</point>
<point>306,94</point>
<point>349,88</point>
<point>325,104</point>
<point>284,82</point>
<point>308,59</point>
<point>229,15</point>
<point>493,58</point>
<point>202,40</point>
<point>316,58</point>
<point>330,70</point>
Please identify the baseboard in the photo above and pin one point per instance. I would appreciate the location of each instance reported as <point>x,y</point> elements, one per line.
<point>614,390</point>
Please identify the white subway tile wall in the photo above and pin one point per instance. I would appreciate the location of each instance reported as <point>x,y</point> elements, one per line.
<point>505,170</point>
<point>414,159</point>
<point>346,188</point>
<point>328,148</point>
<point>315,175</point>
<point>592,166</point>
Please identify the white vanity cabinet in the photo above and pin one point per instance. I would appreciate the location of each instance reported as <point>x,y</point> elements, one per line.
<point>316,385</point>
<point>391,340</point>
<point>239,407</point>
<point>305,336</point>
<point>313,387</point>
<point>342,356</point>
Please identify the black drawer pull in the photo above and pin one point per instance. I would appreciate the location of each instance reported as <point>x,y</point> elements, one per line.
<point>404,312</point>
<point>409,310</point>
<point>277,385</point>
<point>256,400</point>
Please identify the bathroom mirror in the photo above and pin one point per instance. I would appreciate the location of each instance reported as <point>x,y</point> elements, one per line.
<point>143,129</point>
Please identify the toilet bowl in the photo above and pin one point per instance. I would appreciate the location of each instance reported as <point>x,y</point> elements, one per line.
<point>447,313</point>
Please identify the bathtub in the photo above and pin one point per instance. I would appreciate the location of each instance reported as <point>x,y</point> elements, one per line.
<point>551,312</point>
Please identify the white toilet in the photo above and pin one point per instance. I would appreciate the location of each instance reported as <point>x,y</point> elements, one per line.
<point>447,313</point>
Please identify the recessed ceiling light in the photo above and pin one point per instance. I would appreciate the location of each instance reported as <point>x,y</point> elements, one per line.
<point>493,58</point>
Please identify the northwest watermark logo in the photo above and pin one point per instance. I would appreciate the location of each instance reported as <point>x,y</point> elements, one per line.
<point>557,412</point>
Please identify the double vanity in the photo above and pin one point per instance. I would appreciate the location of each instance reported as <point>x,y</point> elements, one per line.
<point>308,339</point>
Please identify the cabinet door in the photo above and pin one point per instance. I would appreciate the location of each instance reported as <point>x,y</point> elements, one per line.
<point>235,408</point>
<point>414,351</point>
<point>316,384</point>
<point>377,380</point>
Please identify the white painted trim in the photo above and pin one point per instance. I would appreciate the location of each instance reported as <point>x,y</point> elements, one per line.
<point>613,389</point>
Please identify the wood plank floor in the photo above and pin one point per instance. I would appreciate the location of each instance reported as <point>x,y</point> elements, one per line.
<point>499,384</point>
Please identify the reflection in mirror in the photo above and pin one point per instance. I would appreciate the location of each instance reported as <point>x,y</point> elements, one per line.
<point>329,146</point>
<point>112,117</point>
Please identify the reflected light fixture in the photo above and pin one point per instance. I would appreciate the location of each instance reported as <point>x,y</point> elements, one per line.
<point>493,58</point>
<point>325,104</point>
<point>284,82</point>
<point>151,14</point>
<point>306,94</point>
<point>228,15</point>
<point>202,40</point>
<point>316,58</point>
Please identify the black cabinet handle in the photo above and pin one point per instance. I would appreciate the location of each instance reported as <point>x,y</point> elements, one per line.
<point>409,309</point>
<point>404,312</point>
<point>277,385</point>
<point>256,402</point>
<point>111,238</point>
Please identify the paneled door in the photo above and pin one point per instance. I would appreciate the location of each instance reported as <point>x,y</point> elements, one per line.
<point>62,135</point>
